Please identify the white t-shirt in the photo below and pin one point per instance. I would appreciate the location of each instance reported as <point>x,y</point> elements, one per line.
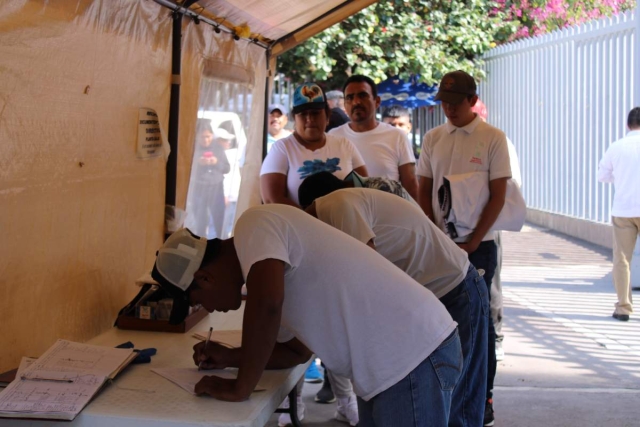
<point>288,157</point>
<point>450,150</point>
<point>384,149</point>
<point>366,319</point>
<point>620,165</point>
<point>401,232</point>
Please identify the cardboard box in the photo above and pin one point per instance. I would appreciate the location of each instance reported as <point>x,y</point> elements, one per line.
<point>133,323</point>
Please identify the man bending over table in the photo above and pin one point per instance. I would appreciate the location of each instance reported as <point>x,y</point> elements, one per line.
<point>383,330</point>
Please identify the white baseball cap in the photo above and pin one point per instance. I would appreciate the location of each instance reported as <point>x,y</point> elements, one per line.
<point>176,262</point>
<point>221,133</point>
<point>178,259</point>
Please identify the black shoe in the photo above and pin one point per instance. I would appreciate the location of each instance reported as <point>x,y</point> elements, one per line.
<point>325,395</point>
<point>622,317</point>
<point>489,419</point>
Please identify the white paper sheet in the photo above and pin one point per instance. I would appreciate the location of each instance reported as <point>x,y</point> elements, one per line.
<point>187,378</point>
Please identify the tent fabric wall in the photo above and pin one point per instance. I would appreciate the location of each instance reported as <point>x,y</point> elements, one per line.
<point>81,215</point>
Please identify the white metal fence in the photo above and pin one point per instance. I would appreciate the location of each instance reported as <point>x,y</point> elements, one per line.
<point>562,99</point>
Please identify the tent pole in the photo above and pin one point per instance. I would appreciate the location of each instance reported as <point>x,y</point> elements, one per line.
<point>265,127</point>
<point>174,111</point>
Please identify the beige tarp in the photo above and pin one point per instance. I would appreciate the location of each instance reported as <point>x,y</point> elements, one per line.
<point>81,215</point>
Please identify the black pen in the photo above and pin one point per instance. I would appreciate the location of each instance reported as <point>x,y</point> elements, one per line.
<point>60,380</point>
<point>205,346</point>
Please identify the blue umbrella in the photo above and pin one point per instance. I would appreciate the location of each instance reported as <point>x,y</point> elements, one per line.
<point>412,94</point>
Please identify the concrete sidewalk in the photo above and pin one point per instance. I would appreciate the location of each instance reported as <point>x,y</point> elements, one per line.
<point>568,362</point>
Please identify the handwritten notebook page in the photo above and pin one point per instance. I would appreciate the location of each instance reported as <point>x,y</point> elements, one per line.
<point>187,378</point>
<point>66,360</point>
<point>61,382</point>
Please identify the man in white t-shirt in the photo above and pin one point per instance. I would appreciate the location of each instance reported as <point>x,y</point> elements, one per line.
<point>382,329</point>
<point>401,232</point>
<point>398,117</point>
<point>620,166</point>
<point>385,149</point>
<point>278,119</point>
<point>467,144</point>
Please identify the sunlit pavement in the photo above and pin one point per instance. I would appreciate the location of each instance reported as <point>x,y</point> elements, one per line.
<point>568,362</point>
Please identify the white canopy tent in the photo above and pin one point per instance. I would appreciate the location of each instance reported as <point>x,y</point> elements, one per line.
<point>82,214</point>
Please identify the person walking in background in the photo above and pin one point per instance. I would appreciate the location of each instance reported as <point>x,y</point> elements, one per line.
<point>385,149</point>
<point>462,145</point>
<point>621,167</point>
<point>206,192</point>
<point>338,117</point>
<point>497,305</point>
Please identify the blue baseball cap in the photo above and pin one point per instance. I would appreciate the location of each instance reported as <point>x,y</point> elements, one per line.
<point>308,96</point>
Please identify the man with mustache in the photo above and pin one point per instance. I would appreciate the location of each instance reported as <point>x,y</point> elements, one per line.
<point>386,150</point>
<point>277,121</point>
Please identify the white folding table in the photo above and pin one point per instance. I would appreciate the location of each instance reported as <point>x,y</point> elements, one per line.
<point>140,398</point>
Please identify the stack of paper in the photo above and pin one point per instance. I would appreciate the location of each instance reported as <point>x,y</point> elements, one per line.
<point>62,381</point>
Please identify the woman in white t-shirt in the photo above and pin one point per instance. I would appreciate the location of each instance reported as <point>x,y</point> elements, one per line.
<point>307,151</point>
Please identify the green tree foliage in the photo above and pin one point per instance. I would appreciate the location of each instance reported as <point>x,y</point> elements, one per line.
<point>429,38</point>
<point>402,38</point>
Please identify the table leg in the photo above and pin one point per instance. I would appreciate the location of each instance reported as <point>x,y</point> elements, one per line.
<point>293,407</point>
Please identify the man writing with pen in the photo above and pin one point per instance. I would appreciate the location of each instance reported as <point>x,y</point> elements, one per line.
<point>383,330</point>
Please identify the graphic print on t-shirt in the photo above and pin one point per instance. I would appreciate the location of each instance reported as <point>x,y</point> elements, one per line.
<point>477,156</point>
<point>310,167</point>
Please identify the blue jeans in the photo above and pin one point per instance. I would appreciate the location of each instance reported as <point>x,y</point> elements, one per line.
<point>468,305</point>
<point>486,258</point>
<point>422,398</point>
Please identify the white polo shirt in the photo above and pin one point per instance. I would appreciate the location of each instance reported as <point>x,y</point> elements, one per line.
<point>378,324</point>
<point>384,148</point>
<point>621,166</point>
<point>450,150</point>
<point>288,157</point>
<point>401,233</point>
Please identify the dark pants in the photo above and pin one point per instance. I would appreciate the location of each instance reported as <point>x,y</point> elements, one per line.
<point>208,210</point>
<point>486,258</point>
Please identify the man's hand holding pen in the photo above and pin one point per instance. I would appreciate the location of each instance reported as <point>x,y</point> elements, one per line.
<point>212,356</point>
